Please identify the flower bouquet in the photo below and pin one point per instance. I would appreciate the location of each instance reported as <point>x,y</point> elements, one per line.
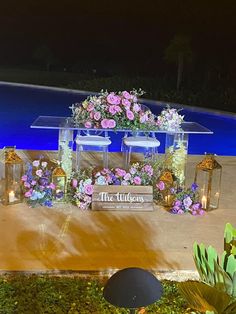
<point>170,119</point>
<point>114,111</point>
<point>37,184</point>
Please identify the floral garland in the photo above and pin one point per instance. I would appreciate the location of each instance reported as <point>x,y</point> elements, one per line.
<point>114,111</point>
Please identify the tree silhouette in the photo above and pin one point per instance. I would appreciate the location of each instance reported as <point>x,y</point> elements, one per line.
<point>179,52</point>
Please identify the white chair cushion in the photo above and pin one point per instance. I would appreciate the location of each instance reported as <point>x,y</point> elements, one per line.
<point>92,140</point>
<point>141,141</point>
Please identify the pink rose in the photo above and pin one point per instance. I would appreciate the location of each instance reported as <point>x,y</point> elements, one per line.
<point>111,124</point>
<point>112,109</point>
<point>90,107</point>
<point>113,99</point>
<point>126,102</point>
<point>88,124</point>
<point>104,123</point>
<point>136,107</point>
<point>129,115</point>
<point>137,180</point>
<point>74,183</point>
<point>118,108</point>
<point>91,115</point>
<point>161,185</point>
<point>97,116</point>
<point>126,94</point>
<point>24,178</point>
<point>120,172</point>
<point>88,189</point>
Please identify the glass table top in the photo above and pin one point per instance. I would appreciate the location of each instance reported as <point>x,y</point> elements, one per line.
<point>52,122</point>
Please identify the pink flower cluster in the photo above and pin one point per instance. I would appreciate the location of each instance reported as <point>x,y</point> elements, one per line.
<point>136,175</point>
<point>82,192</point>
<point>114,111</point>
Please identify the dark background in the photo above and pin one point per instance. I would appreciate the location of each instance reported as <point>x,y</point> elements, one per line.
<point>124,38</point>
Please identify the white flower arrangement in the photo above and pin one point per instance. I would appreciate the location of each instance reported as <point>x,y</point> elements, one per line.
<point>170,119</point>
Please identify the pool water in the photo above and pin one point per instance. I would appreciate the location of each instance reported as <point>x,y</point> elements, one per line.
<point>20,105</point>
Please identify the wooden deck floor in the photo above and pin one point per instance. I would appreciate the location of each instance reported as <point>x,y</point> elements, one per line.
<point>66,238</point>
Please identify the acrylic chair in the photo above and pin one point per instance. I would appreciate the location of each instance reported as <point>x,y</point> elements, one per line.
<point>92,141</point>
<point>139,141</point>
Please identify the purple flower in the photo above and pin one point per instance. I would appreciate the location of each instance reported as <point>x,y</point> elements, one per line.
<point>39,173</point>
<point>27,185</point>
<point>120,172</point>
<point>112,109</point>
<point>194,187</point>
<point>43,181</point>
<point>126,102</point>
<point>136,108</point>
<point>48,203</point>
<point>196,206</point>
<point>28,193</point>
<point>187,202</point>
<point>24,178</point>
<point>36,163</point>
<point>178,203</point>
<point>117,182</point>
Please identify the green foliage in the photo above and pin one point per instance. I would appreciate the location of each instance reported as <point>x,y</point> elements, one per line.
<point>205,298</point>
<point>230,239</point>
<point>20,294</point>
<point>218,273</point>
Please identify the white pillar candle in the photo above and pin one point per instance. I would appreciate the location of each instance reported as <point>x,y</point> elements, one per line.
<point>11,197</point>
<point>204,202</point>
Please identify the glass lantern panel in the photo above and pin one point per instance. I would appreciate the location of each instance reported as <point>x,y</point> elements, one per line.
<point>13,182</point>
<point>176,150</point>
<point>214,188</point>
<point>60,183</point>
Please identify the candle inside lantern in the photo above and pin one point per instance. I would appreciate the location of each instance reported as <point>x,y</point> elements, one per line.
<point>11,197</point>
<point>204,202</point>
<point>167,200</point>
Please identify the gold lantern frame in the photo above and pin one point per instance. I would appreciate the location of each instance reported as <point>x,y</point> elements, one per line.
<point>11,160</point>
<point>209,165</point>
<point>167,177</point>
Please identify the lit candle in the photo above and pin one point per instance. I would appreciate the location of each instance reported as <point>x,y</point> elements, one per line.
<point>204,202</point>
<point>11,197</point>
<point>167,200</point>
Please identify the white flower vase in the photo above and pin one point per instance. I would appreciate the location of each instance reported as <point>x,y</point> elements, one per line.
<point>65,150</point>
<point>176,151</point>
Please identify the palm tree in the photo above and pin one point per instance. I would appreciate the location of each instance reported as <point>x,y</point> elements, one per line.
<point>179,52</point>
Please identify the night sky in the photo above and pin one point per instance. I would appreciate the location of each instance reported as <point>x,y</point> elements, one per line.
<point>126,34</point>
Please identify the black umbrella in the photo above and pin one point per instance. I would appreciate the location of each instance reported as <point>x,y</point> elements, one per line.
<point>132,288</point>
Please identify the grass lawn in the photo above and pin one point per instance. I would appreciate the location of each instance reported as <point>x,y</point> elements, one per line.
<point>36,294</point>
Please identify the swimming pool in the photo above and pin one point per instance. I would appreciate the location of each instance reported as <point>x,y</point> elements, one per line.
<point>20,105</point>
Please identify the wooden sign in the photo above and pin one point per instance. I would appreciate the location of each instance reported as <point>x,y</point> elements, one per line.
<point>122,197</point>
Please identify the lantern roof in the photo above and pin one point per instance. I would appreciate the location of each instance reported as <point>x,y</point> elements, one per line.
<point>209,163</point>
<point>58,172</point>
<point>11,157</point>
<point>167,177</point>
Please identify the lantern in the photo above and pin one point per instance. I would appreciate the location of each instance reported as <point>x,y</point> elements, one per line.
<point>208,178</point>
<point>12,193</point>
<point>59,180</point>
<point>167,180</point>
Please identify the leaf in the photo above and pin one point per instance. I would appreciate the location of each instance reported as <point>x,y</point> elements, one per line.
<point>231,265</point>
<point>203,297</point>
